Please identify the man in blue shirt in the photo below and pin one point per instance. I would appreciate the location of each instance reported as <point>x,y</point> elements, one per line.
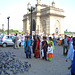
<point>70,54</point>
<point>73,62</point>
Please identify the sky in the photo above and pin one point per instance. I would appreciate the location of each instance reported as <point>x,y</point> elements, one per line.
<point>17,8</point>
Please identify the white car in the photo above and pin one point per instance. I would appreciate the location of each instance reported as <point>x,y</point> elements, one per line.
<point>6,40</point>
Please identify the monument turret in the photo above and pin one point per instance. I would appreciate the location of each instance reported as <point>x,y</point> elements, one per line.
<point>38,1</point>
<point>53,4</point>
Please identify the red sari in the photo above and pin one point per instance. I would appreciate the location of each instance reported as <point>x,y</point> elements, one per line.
<point>37,49</point>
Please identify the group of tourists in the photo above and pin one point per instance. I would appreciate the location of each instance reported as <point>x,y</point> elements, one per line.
<point>44,48</point>
<point>41,49</point>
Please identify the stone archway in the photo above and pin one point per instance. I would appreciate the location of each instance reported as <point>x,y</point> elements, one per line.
<point>57,27</point>
<point>34,25</point>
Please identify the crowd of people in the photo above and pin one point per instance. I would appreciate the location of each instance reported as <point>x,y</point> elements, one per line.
<point>41,49</point>
<point>44,48</point>
<point>68,44</point>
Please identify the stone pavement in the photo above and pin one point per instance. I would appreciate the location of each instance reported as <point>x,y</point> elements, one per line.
<point>58,65</point>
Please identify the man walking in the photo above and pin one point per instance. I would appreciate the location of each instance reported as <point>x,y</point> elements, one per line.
<point>16,41</point>
<point>65,43</point>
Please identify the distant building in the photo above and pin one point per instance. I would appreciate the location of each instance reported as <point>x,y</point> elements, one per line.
<point>46,19</point>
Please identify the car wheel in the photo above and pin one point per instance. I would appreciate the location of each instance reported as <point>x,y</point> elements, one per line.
<point>4,45</point>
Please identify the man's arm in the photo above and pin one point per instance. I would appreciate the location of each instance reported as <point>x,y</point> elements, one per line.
<point>69,67</point>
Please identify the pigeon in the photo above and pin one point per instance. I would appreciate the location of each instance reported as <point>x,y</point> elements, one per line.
<point>9,62</point>
<point>30,65</point>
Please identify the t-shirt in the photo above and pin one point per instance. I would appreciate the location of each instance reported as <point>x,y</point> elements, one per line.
<point>66,42</point>
<point>16,38</point>
<point>22,38</point>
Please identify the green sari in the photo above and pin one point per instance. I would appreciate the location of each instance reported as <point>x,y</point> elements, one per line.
<point>50,43</point>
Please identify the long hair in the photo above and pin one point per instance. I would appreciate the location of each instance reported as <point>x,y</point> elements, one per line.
<point>44,37</point>
<point>38,39</point>
<point>50,38</point>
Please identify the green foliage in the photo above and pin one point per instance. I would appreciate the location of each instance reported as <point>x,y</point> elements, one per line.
<point>65,32</point>
<point>1,31</point>
<point>10,31</point>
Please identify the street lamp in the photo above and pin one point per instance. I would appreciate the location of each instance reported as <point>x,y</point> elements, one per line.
<point>31,9</point>
<point>8,25</point>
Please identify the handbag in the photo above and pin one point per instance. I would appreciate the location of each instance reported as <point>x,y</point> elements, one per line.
<point>37,50</point>
<point>50,50</point>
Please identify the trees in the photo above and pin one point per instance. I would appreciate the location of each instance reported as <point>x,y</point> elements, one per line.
<point>10,31</point>
<point>1,31</point>
<point>66,32</point>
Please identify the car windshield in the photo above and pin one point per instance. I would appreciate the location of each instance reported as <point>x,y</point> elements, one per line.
<point>1,36</point>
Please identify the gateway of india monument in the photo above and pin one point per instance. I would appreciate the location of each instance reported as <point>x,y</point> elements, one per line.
<point>45,20</point>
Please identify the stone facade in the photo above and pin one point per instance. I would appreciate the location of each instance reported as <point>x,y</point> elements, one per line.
<point>46,20</point>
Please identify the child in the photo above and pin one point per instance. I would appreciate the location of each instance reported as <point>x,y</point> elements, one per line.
<point>50,52</point>
<point>73,62</point>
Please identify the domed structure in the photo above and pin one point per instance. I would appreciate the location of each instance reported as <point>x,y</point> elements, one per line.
<point>53,4</point>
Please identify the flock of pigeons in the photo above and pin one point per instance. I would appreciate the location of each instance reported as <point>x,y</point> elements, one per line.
<point>9,64</point>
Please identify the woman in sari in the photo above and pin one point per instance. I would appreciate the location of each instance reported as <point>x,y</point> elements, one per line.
<point>37,49</point>
<point>44,47</point>
<point>27,47</point>
<point>34,45</point>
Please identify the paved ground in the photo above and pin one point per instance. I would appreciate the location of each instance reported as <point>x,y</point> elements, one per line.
<point>57,66</point>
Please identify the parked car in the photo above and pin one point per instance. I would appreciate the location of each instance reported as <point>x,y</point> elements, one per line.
<point>6,40</point>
